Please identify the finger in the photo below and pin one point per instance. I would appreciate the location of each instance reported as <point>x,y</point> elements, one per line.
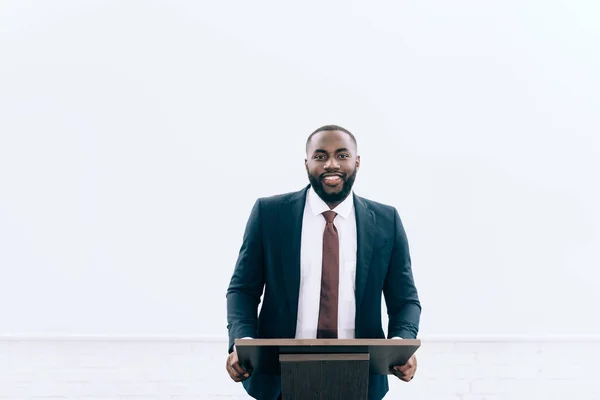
<point>400,375</point>
<point>236,372</point>
<point>403,373</point>
<point>406,377</point>
<point>410,364</point>
<point>234,362</point>
<point>237,368</point>
<point>233,374</point>
<point>396,371</point>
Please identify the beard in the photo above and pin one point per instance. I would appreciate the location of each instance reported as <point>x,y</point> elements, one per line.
<point>317,184</point>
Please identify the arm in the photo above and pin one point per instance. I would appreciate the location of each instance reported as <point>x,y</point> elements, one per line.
<point>401,297</point>
<point>247,283</point>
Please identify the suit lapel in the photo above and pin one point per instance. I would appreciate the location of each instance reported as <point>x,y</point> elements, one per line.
<point>290,217</point>
<point>365,228</point>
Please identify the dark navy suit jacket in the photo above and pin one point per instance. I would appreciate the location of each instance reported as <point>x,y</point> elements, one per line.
<point>269,260</point>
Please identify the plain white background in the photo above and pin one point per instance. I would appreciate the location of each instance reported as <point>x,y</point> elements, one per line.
<point>135,137</point>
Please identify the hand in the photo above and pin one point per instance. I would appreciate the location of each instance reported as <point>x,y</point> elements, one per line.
<point>235,370</point>
<point>407,371</point>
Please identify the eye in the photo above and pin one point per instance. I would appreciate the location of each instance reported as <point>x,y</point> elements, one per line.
<point>319,157</point>
<point>344,155</point>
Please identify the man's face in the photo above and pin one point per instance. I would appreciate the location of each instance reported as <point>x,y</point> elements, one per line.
<point>331,165</point>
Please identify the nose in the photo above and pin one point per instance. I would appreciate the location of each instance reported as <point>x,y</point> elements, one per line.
<point>332,164</point>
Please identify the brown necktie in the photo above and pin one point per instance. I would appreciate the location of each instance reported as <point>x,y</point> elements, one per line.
<point>330,276</point>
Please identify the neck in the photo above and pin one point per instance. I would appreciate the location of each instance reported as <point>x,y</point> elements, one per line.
<point>333,205</point>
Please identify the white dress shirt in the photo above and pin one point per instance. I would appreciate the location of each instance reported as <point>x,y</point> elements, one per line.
<point>311,253</point>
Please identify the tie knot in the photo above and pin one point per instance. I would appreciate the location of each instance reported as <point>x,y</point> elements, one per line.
<point>329,216</point>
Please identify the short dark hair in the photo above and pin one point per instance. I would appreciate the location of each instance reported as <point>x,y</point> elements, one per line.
<point>331,128</point>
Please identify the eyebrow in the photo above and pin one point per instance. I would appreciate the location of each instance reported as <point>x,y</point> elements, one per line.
<point>337,151</point>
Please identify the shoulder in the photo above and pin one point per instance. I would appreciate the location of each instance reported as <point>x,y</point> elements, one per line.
<point>386,217</point>
<point>277,199</point>
<point>377,207</point>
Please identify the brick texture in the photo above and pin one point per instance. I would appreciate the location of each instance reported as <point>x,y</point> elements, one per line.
<point>186,369</point>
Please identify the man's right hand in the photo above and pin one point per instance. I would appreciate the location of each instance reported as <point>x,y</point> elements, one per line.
<point>235,370</point>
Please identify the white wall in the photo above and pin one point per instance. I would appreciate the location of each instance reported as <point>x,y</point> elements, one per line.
<point>183,369</point>
<point>135,136</point>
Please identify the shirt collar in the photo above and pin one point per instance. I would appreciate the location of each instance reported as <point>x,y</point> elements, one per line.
<point>318,206</point>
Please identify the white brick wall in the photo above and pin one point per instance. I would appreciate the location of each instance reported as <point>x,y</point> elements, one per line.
<point>191,368</point>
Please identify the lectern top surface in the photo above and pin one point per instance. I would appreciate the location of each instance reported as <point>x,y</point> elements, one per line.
<point>264,354</point>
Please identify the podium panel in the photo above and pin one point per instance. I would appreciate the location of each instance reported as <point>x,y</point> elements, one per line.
<point>324,376</point>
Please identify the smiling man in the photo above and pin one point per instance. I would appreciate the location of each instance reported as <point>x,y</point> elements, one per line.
<point>324,257</point>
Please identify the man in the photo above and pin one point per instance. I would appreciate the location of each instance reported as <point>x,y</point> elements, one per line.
<point>323,256</point>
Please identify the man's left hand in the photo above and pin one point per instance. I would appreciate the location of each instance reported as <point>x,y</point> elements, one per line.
<point>407,371</point>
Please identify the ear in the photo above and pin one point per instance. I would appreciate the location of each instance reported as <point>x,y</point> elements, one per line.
<point>357,162</point>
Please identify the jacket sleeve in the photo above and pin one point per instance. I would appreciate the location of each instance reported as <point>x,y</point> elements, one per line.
<point>400,292</point>
<point>247,282</point>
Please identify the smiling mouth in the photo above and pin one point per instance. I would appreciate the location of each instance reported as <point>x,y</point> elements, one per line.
<point>331,180</point>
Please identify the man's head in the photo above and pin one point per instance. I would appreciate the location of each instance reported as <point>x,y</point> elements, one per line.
<point>332,163</point>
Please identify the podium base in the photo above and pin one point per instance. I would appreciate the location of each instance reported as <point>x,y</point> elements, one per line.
<point>324,376</point>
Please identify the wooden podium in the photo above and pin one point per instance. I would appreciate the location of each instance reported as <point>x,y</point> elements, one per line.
<point>324,368</point>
